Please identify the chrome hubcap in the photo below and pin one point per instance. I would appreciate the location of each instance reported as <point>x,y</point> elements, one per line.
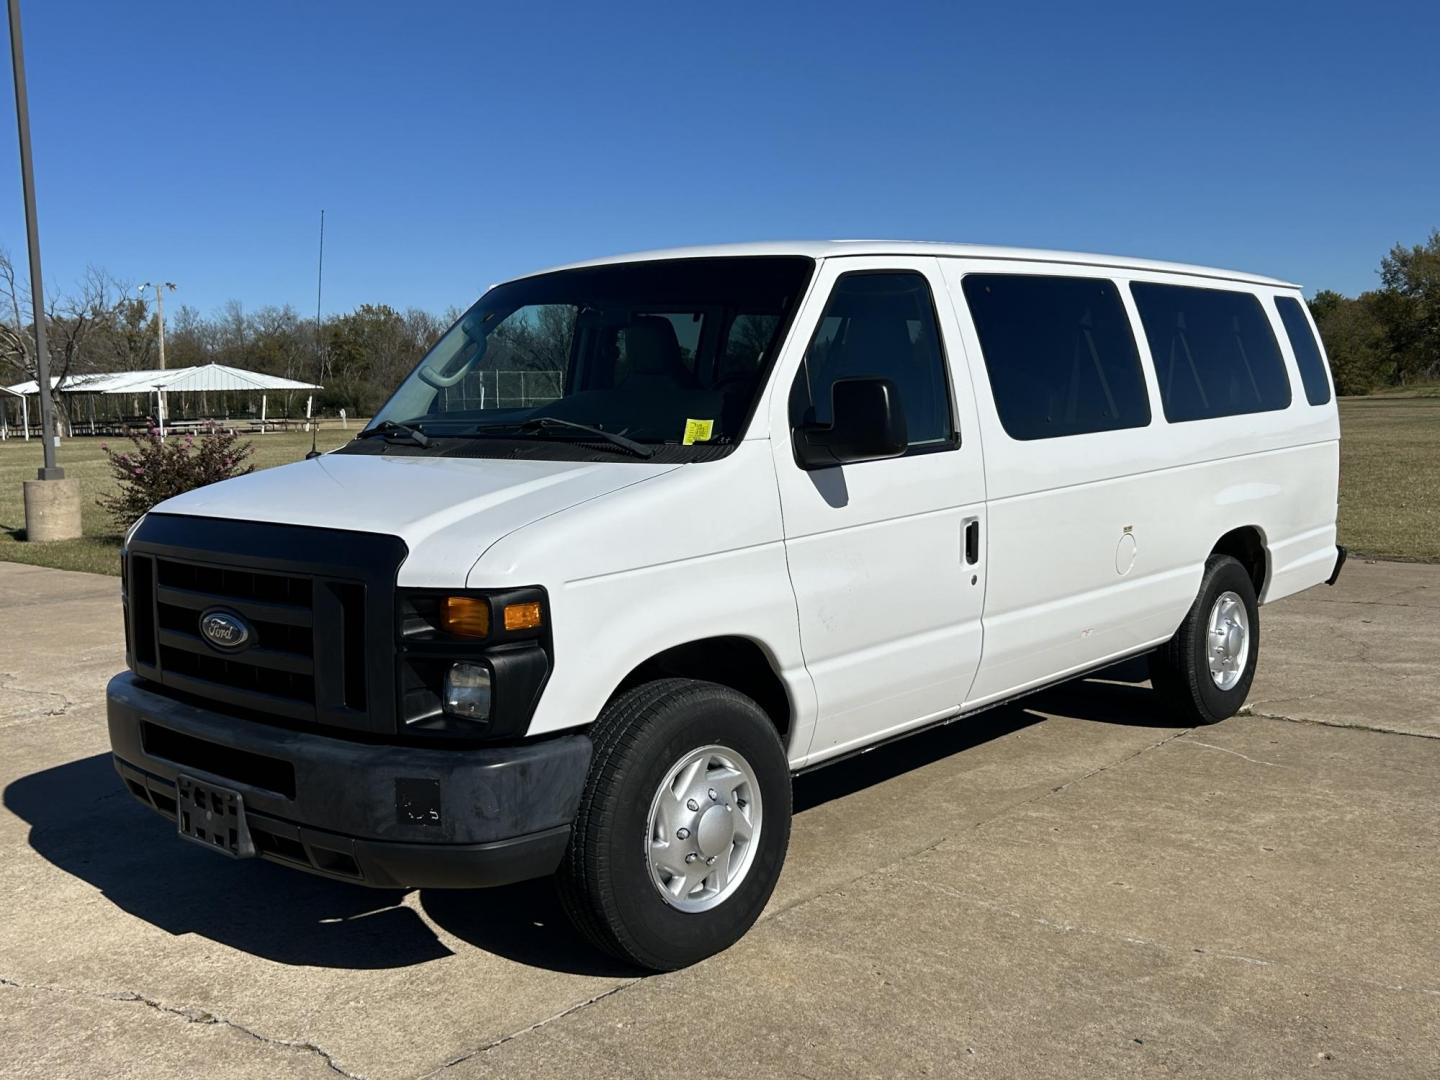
<point>1228,648</point>
<point>704,827</point>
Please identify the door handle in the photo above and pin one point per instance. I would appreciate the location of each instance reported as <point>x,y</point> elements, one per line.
<point>972,541</point>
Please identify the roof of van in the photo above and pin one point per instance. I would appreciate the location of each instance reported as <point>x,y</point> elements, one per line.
<point>824,249</point>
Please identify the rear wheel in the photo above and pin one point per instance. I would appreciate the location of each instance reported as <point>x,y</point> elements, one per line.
<point>1204,672</point>
<point>683,825</point>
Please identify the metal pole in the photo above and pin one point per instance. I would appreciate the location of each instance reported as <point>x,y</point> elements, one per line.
<point>160,319</point>
<point>50,470</point>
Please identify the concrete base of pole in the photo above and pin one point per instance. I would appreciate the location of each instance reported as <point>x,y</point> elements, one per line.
<point>52,510</point>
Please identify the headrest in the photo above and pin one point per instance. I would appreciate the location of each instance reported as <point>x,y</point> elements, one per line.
<point>651,347</point>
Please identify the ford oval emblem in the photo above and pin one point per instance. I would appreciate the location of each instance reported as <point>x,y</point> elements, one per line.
<point>225,630</point>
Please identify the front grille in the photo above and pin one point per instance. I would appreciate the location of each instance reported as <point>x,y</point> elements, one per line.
<point>320,604</point>
<point>277,671</point>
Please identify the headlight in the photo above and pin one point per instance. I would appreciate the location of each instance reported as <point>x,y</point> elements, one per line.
<point>467,691</point>
<point>470,664</point>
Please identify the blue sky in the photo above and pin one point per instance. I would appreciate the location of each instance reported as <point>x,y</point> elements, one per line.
<point>453,145</point>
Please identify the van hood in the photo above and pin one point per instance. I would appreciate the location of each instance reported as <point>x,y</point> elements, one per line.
<point>447,510</point>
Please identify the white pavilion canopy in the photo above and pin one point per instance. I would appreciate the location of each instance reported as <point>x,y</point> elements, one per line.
<point>214,378</point>
<point>203,379</point>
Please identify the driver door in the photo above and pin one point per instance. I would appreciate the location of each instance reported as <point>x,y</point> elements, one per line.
<point>886,557</point>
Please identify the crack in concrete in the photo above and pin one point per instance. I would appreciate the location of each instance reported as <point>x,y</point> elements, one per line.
<point>1226,750</point>
<point>1388,600</point>
<point>6,684</point>
<point>1363,654</point>
<point>487,1047</point>
<point>1251,705</point>
<point>190,1015</point>
<point>1249,710</point>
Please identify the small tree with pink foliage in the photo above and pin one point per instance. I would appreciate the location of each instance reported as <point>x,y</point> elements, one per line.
<point>160,468</point>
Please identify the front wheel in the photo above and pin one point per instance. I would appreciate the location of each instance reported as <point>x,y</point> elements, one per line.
<point>1204,672</point>
<point>683,825</point>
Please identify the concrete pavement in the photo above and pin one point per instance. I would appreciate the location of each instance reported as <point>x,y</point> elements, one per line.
<point>1066,887</point>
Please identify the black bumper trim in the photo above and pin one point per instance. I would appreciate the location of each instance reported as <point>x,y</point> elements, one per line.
<point>376,863</point>
<point>379,814</point>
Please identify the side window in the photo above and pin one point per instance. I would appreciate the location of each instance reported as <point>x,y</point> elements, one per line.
<point>1060,354</point>
<point>1307,352</point>
<point>1213,349</point>
<point>880,325</point>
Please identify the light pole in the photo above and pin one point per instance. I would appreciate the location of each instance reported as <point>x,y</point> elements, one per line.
<point>50,470</point>
<point>159,287</point>
<point>52,503</point>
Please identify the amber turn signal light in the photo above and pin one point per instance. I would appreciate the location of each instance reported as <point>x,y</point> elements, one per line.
<point>465,616</point>
<point>522,616</point>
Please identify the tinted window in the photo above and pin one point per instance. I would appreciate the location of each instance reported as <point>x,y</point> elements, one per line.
<point>879,325</point>
<point>1214,351</point>
<point>1060,354</point>
<point>1307,352</point>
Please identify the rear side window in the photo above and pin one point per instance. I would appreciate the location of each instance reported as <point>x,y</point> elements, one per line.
<point>1060,354</point>
<point>1307,352</point>
<point>1213,349</point>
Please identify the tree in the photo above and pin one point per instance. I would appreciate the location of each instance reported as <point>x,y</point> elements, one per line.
<point>79,326</point>
<point>1354,339</point>
<point>1410,308</point>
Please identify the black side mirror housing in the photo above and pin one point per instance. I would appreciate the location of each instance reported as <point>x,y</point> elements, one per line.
<point>867,424</point>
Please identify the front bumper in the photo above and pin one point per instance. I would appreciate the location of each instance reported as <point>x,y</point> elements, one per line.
<point>388,816</point>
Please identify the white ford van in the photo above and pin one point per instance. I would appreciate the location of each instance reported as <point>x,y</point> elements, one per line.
<point>642,537</point>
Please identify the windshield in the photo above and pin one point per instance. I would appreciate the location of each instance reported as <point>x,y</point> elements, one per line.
<point>659,352</point>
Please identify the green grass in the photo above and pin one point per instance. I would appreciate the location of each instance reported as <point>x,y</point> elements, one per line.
<point>82,458</point>
<point>1390,475</point>
<point>1389,483</point>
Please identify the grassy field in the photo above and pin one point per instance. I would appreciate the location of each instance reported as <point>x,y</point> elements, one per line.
<point>1390,475</point>
<point>83,459</point>
<point>1389,484</point>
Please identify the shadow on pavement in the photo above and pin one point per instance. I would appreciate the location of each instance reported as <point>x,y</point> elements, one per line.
<point>864,770</point>
<point>1115,695</point>
<point>84,822</point>
<point>522,922</point>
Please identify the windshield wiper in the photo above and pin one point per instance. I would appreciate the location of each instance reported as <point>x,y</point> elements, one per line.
<point>394,429</point>
<point>538,424</point>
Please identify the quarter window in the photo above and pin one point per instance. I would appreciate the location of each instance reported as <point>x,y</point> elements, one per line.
<point>1307,352</point>
<point>1214,351</point>
<point>879,325</point>
<point>1060,354</point>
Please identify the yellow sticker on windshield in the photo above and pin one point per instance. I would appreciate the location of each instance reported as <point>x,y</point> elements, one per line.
<point>697,431</point>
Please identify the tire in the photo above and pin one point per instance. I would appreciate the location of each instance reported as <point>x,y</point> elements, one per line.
<point>1180,670</point>
<point>610,881</point>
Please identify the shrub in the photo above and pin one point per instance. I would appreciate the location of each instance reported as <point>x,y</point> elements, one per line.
<point>157,469</point>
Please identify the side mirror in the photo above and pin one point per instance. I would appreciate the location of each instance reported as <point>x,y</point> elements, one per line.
<point>867,424</point>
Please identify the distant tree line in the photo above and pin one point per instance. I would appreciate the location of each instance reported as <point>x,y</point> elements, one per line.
<point>1388,336</point>
<point>1385,337</point>
<point>102,325</point>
